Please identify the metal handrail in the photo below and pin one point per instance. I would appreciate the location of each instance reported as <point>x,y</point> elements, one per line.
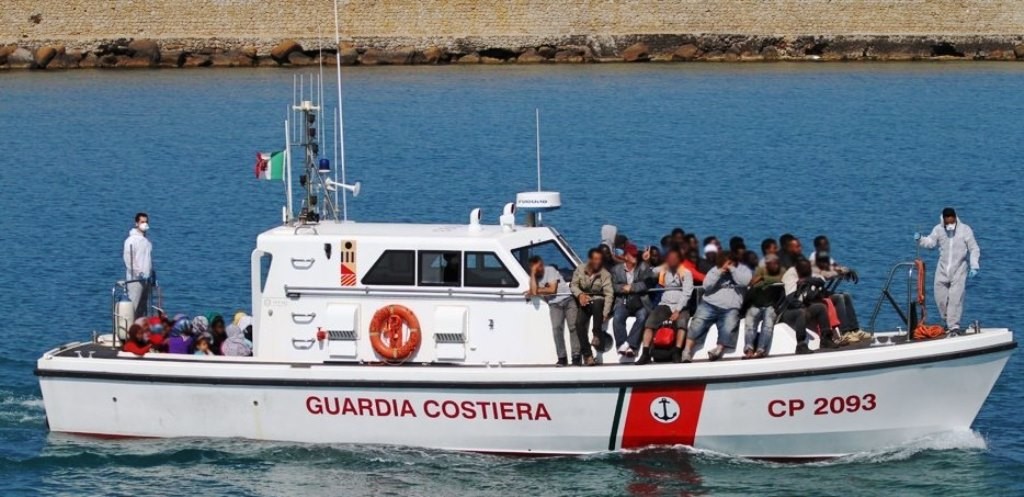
<point>886,295</point>
<point>121,286</point>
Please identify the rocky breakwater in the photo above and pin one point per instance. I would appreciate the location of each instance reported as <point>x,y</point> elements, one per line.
<point>149,53</point>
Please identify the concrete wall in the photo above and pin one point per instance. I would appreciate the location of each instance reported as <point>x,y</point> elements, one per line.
<point>427,21</point>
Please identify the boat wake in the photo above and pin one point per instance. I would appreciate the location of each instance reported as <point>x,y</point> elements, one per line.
<point>968,440</point>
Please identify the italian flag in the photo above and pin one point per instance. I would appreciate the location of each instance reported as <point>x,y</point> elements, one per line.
<point>270,166</point>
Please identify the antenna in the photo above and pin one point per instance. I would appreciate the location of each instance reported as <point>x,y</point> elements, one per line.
<point>538,147</point>
<point>341,114</point>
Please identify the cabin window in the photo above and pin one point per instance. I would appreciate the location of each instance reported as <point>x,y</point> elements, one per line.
<point>485,269</point>
<point>552,255</point>
<point>394,267</point>
<point>440,268</point>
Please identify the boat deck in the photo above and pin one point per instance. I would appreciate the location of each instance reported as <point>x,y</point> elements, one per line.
<point>105,350</point>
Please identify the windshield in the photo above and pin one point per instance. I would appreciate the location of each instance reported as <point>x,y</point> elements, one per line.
<point>552,254</point>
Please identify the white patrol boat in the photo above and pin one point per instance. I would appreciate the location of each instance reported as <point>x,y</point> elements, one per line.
<point>420,335</point>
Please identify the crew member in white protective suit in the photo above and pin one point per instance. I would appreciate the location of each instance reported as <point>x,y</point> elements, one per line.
<point>138,265</point>
<point>958,260</point>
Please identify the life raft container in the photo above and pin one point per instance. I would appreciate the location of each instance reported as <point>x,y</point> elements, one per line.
<point>386,333</point>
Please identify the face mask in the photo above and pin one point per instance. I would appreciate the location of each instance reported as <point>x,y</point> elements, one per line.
<point>950,227</point>
<point>144,227</point>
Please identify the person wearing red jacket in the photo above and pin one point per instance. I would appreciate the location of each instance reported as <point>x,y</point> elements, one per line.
<point>137,342</point>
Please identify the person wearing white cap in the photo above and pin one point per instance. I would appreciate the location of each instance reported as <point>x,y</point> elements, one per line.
<point>959,259</point>
<point>711,252</point>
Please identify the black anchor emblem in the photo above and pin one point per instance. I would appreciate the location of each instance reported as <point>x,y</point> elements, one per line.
<point>665,416</point>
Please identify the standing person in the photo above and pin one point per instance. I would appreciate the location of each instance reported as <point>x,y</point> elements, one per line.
<point>546,282</point>
<point>959,257</point>
<point>724,289</point>
<point>592,287</point>
<point>629,281</point>
<point>677,284</point>
<point>138,265</point>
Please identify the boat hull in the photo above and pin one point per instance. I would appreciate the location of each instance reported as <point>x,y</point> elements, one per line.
<point>792,410</point>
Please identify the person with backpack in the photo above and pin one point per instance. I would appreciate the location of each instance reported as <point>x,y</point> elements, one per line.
<point>676,283</point>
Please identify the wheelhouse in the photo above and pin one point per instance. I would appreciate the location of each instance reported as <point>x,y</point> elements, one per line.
<point>316,289</point>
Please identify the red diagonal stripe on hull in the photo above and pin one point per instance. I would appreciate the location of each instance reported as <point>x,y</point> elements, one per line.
<point>642,426</point>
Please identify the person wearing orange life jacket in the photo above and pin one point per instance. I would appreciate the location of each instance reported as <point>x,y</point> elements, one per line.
<point>959,259</point>
<point>677,284</point>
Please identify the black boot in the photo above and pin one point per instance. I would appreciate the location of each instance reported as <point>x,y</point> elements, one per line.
<point>677,355</point>
<point>645,357</point>
<point>801,348</point>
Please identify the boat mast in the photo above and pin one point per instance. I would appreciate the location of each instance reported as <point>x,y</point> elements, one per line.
<point>341,115</point>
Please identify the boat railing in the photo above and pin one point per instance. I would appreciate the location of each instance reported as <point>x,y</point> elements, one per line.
<point>887,296</point>
<point>120,290</point>
<point>294,292</point>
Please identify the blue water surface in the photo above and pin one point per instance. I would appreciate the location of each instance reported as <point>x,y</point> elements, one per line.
<point>866,153</point>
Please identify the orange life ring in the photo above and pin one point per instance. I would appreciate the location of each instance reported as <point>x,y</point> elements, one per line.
<point>387,325</point>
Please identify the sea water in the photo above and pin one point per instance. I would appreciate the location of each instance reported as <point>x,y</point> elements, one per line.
<point>865,153</point>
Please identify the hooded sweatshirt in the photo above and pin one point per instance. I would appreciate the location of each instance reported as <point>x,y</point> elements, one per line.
<point>235,344</point>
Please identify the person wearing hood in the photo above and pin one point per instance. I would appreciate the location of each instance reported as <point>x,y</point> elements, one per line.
<point>200,325</point>
<point>217,332</point>
<point>245,323</point>
<point>180,339</point>
<point>235,345</point>
<point>959,259</point>
<point>138,265</point>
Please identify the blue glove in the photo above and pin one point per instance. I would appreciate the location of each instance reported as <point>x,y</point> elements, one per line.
<point>917,236</point>
<point>972,274</point>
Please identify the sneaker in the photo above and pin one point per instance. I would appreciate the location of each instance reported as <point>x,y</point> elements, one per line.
<point>802,348</point>
<point>687,357</point>
<point>577,361</point>
<point>953,332</point>
<point>561,363</point>
<point>624,348</point>
<point>645,357</point>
